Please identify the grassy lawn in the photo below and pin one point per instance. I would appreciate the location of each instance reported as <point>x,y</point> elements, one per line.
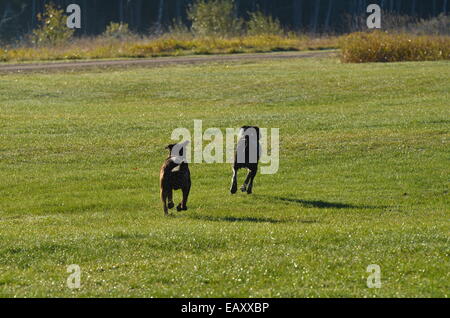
<point>363,179</point>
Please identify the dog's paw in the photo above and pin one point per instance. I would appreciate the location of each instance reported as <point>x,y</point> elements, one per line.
<point>170,205</point>
<point>233,190</point>
<point>181,208</point>
<point>249,191</point>
<point>243,188</point>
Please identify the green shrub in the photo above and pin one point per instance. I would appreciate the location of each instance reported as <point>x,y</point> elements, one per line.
<point>393,22</point>
<point>439,25</point>
<point>260,24</point>
<point>119,31</point>
<point>215,18</point>
<point>380,46</point>
<point>53,30</point>
<point>398,23</point>
<point>179,30</point>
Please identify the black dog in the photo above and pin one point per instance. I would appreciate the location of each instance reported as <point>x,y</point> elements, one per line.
<point>175,175</point>
<point>246,156</point>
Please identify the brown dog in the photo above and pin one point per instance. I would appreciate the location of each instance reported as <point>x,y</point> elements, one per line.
<point>175,175</point>
<point>248,152</point>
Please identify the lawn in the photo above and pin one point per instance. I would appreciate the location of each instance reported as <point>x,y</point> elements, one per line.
<point>363,179</point>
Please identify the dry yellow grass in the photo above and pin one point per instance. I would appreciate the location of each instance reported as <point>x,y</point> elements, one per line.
<point>380,46</point>
<point>96,48</point>
<point>356,47</point>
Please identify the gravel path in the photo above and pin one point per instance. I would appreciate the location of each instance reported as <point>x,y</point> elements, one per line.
<point>160,61</point>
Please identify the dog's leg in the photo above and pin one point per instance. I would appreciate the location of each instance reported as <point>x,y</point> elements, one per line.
<point>170,204</point>
<point>233,189</point>
<point>186,196</point>
<point>183,205</point>
<point>163,199</point>
<point>251,175</point>
<point>247,180</point>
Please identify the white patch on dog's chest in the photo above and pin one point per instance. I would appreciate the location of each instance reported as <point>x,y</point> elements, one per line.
<point>178,161</point>
<point>176,169</point>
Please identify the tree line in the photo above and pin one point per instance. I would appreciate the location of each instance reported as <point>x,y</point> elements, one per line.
<point>144,16</point>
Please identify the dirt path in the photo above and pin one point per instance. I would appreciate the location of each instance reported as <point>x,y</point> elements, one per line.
<point>161,61</point>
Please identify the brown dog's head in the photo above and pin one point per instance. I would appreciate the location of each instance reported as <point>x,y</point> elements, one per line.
<point>177,151</point>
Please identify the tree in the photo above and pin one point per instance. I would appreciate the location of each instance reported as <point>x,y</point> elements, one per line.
<point>53,29</point>
<point>160,16</point>
<point>413,8</point>
<point>121,13</point>
<point>33,13</point>
<point>315,16</point>
<point>178,7</point>
<point>297,14</point>
<point>328,17</point>
<point>9,21</point>
<point>214,18</point>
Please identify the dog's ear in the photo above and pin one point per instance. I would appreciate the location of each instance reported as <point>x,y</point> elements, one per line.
<point>169,147</point>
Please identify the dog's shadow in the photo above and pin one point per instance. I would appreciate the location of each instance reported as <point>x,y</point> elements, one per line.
<point>324,204</point>
<point>247,219</point>
<point>320,204</point>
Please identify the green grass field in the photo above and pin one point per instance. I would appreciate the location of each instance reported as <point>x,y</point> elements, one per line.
<point>363,179</point>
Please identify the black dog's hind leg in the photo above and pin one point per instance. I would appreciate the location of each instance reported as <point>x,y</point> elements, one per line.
<point>251,176</point>
<point>183,205</point>
<point>247,180</point>
<point>233,188</point>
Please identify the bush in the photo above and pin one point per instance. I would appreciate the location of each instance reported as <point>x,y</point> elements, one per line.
<point>53,30</point>
<point>214,18</point>
<point>119,31</point>
<point>439,25</point>
<point>380,46</point>
<point>397,23</point>
<point>179,30</point>
<point>260,24</point>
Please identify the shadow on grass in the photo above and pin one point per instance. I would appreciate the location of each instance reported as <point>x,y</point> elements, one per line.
<point>326,205</point>
<point>247,219</point>
<point>304,203</point>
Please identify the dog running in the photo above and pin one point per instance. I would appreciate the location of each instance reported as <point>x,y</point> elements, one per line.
<point>175,175</point>
<point>247,154</point>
